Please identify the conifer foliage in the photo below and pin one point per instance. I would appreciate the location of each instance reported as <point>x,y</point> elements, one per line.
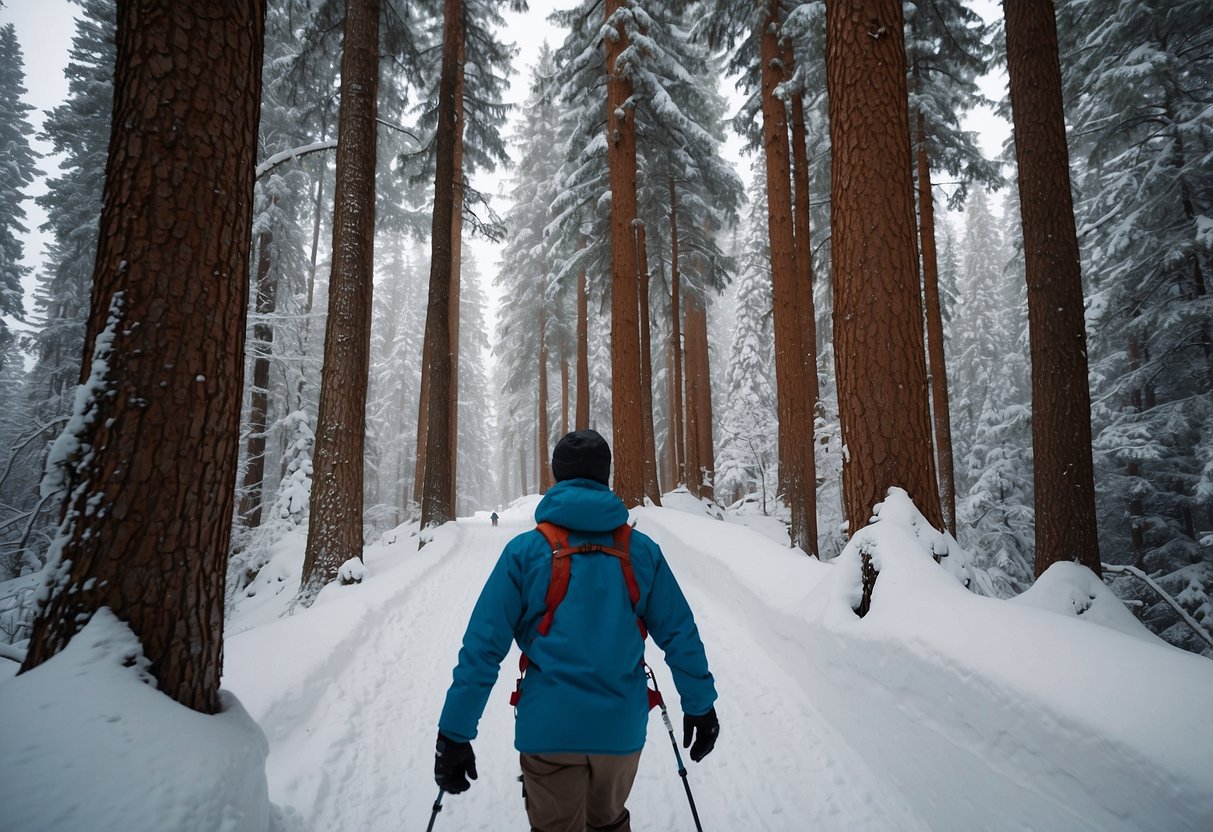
<point>18,163</point>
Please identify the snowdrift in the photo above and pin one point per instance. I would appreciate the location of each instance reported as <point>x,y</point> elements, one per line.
<point>986,714</point>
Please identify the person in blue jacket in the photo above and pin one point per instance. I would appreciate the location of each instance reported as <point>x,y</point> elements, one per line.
<point>582,707</point>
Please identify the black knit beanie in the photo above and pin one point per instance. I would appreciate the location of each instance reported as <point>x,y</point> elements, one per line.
<point>582,453</point>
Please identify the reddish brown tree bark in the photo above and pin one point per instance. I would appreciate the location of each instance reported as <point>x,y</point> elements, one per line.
<point>1061,400</point>
<point>259,396</point>
<point>628,445</point>
<point>789,363</point>
<point>436,505</point>
<point>806,535</point>
<point>935,357</point>
<point>456,270</point>
<point>694,469</point>
<point>151,476</point>
<point>880,354</point>
<point>335,524</point>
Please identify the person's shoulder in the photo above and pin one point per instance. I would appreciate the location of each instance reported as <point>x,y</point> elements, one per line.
<point>524,543</point>
<point>641,543</point>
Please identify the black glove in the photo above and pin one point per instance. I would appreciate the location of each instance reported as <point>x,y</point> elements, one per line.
<point>454,764</point>
<point>705,729</point>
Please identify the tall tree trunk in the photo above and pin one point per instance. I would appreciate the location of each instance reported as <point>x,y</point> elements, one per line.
<point>694,468</point>
<point>1061,402</point>
<point>1137,521</point>
<point>677,439</point>
<point>936,360</point>
<point>541,444</point>
<point>581,419</point>
<point>259,396</point>
<point>789,368</point>
<point>423,400</point>
<point>625,334</point>
<point>151,459</point>
<point>522,468</point>
<point>880,354</point>
<point>703,400</point>
<point>564,392</point>
<point>436,505</point>
<point>652,489</point>
<point>807,540</point>
<point>335,525</point>
<point>456,269</point>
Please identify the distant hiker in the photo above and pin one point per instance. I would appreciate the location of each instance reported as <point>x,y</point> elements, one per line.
<point>493,517</point>
<point>582,705</point>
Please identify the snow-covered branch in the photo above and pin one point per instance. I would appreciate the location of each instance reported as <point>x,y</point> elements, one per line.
<point>293,153</point>
<point>1166,597</point>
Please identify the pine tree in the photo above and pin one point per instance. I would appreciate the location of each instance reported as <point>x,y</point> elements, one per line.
<point>878,318</point>
<point>946,49</point>
<point>335,530</point>
<point>1061,408</point>
<point>748,462</point>
<point>18,161</point>
<point>1142,186</point>
<point>157,422</point>
<point>993,417</point>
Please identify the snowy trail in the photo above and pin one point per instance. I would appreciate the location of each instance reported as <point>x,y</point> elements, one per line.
<point>778,765</point>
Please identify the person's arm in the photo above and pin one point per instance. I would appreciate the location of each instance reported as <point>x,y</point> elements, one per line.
<point>672,625</point>
<point>489,634</point>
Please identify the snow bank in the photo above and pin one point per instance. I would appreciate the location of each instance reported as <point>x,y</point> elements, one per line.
<point>985,714</point>
<point>90,744</point>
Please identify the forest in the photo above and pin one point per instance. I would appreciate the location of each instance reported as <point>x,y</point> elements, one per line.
<point>260,316</point>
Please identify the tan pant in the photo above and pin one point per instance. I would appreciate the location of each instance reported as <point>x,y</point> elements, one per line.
<point>579,792</point>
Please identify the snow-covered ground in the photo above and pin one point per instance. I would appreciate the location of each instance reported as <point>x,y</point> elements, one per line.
<point>939,710</point>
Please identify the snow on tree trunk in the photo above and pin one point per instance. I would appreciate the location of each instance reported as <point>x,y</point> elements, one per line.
<point>335,529</point>
<point>879,350</point>
<point>150,455</point>
<point>1061,403</point>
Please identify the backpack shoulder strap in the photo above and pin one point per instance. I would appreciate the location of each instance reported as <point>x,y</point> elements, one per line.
<point>558,541</point>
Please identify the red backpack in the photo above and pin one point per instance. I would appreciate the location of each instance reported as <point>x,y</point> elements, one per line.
<point>562,552</point>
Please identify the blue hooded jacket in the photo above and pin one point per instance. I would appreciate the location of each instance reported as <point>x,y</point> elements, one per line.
<point>585,691</point>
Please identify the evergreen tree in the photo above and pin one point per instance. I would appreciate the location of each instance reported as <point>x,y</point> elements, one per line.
<point>477,427</point>
<point>156,424</point>
<point>748,463</point>
<point>18,162</point>
<point>876,288</point>
<point>992,420</point>
<point>335,531</point>
<point>1061,409</point>
<point>1134,78</point>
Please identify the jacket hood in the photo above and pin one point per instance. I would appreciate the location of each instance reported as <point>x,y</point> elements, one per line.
<point>582,505</point>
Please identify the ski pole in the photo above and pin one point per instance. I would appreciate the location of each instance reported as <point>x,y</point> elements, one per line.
<point>437,809</point>
<point>682,769</point>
